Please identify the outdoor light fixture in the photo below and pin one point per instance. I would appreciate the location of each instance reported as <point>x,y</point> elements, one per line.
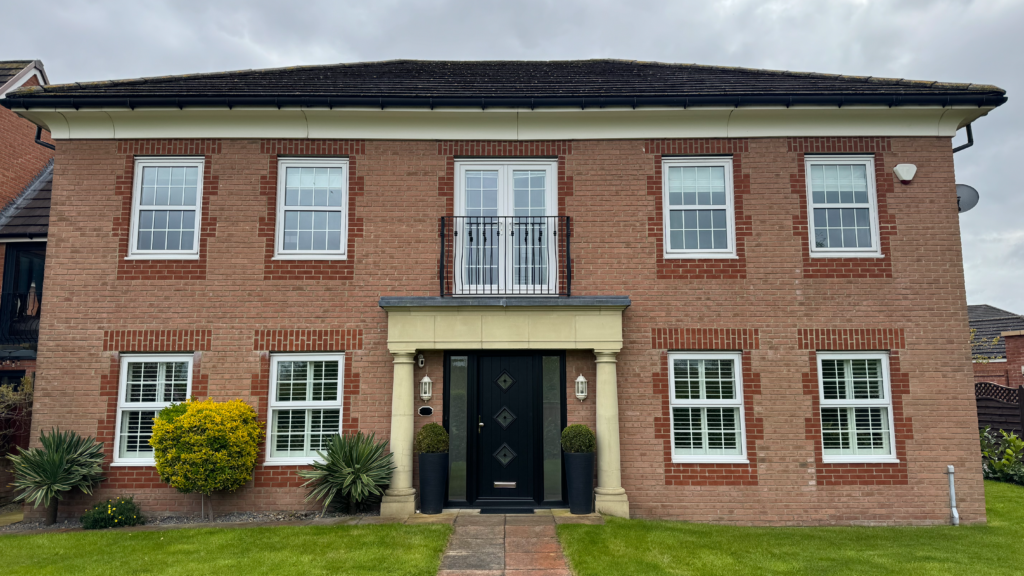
<point>905,172</point>
<point>581,388</point>
<point>426,388</point>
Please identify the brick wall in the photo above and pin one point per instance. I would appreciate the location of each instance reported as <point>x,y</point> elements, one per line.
<point>773,309</point>
<point>21,159</point>
<point>1004,373</point>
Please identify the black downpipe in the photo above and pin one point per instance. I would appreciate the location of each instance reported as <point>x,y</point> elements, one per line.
<point>970,141</point>
<point>39,134</point>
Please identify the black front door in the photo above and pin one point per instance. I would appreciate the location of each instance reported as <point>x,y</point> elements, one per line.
<point>505,412</point>
<point>507,427</point>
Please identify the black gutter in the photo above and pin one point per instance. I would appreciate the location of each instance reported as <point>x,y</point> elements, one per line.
<point>39,135</point>
<point>970,141</point>
<point>328,101</point>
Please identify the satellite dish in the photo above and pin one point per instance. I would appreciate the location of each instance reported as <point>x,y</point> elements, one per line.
<point>966,197</point>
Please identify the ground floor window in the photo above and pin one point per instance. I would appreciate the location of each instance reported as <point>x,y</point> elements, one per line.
<point>148,384</point>
<point>305,406</point>
<point>856,407</point>
<point>706,406</point>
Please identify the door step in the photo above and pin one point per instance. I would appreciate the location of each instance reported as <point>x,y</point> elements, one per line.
<point>506,510</point>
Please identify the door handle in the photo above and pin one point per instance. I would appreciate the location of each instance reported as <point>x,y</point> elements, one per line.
<point>480,424</point>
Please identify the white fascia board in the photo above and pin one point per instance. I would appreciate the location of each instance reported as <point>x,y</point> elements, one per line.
<point>503,123</point>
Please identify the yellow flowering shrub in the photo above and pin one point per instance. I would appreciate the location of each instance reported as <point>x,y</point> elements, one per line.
<point>121,511</point>
<point>207,447</point>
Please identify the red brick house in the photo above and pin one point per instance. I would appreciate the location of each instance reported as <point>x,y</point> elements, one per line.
<point>768,319</point>
<point>1003,335</point>
<point>26,172</point>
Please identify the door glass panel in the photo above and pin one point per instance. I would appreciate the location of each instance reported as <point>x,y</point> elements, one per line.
<point>458,403</point>
<point>552,386</point>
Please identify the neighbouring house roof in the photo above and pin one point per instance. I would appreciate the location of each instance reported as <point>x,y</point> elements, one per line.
<point>506,83</point>
<point>989,322</point>
<point>15,72</point>
<point>28,215</point>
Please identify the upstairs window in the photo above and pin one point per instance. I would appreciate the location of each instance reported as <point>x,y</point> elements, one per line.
<point>856,407</point>
<point>698,214</point>
<point>707,407</point>
<point>312,208</point>
<point>843,207</point>
<point>166,208</point>
<point>148,384</point>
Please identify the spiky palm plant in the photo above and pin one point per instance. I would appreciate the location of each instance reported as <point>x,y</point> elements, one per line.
<point>356,466</point>
<point>65,462</point>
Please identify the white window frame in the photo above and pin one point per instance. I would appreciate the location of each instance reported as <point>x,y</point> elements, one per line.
<point>737,358</point>
<point>123,406</point>
<point>142,162</point>
<point>853,403</point>
<point>273,405</point>
<point>282,170</point>
<point>506,207</point>
<point>730,215</point>
<point>869,162</point>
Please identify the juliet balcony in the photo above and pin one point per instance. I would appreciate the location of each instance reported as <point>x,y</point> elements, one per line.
<point>505,256</point>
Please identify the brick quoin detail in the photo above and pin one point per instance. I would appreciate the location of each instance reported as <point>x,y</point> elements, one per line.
<point>708,339</point>
<point>853,339</point>
<point>156,269</point>
<point>451,149</point>
<point>310,270</point>
<point>132,477</point>
<point>156,340</point>
<point>842,267</point>
<point>307,340</point>
<point>700,268</point>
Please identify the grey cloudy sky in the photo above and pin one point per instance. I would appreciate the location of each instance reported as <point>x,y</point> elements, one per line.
<point>950,40</point>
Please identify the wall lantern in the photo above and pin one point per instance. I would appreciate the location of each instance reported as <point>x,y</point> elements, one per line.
<point>426,388</point>
<point>581,388</point>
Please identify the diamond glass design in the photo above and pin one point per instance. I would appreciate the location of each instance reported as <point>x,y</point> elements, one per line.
<point>505,380</point>
<point>505,418</point>
<point>504,455</point>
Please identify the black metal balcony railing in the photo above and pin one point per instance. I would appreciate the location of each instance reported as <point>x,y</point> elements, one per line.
<point>505,256</point>
<point>19,316</point>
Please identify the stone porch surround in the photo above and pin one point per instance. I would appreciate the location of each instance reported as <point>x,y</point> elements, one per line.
<point>496,323</point>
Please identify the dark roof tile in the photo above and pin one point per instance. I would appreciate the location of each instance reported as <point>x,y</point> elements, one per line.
<point>507,79</point>
<point>10,68</point>
<point>989,322</point>
<point>28,215</point>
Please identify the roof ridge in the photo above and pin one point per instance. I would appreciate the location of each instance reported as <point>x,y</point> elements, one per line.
<point>789,73</point>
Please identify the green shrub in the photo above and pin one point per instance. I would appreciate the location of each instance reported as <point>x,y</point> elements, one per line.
<point>114,513</point>
<point>355,466</point>
<point>578,438</point>
<point>1002,457</point>
<point>173,412</point>
<point>211,447</point>
<point>66,462</point>
<point>432,439</point>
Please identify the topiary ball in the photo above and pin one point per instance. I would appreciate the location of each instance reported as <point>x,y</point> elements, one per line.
<point>578,439</point>
<point>432,439</point>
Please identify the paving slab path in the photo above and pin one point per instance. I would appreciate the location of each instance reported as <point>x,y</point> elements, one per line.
<point>507,545</point>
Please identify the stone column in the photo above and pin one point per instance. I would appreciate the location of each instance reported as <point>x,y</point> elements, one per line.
<point>400,499</point>
<point>611,497</point>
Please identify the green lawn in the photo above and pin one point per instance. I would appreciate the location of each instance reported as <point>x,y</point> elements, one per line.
<point>365,549</point>
<point>624,547</point>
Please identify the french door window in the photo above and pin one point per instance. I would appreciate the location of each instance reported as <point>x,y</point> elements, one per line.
<point>505,227</point>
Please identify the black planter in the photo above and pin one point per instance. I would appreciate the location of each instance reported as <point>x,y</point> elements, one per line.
<point>579,480</point>
<point>433,481</point>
